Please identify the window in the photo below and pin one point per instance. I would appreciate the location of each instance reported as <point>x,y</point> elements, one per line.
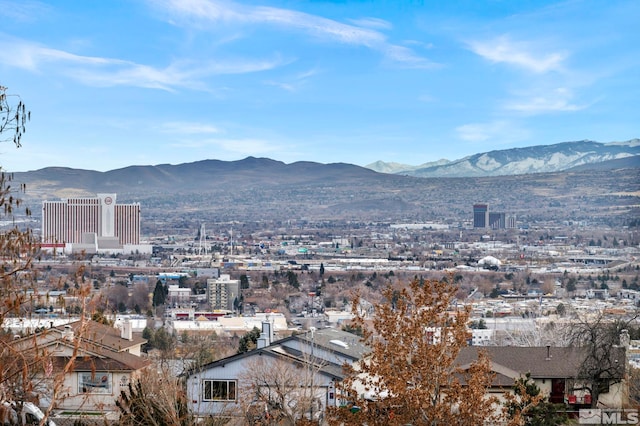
<point>218,390</point>
<point>98,382</point>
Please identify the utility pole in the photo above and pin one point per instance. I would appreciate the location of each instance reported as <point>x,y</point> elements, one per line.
<point>312,329</point>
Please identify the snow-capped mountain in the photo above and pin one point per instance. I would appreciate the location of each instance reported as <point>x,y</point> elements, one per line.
<point>399,168</point>
<point>515,161</point>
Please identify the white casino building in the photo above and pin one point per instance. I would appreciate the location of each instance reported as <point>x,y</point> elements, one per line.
<point>92,225</point>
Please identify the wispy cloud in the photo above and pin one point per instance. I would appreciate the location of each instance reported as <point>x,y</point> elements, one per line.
<point>108,72</point>
<point>521,54</point>
<point>426,98</point>
<point>239,146</point>
<point>204,12</point>
<point>375,23</point>
<point>421,44</point>
<point>31,56</point>
<point>294,83</point>
<point>558,100</point>
<point>499,131</point>
<point>284,86</point>
<point>24,10</point>
<point>182,127</point>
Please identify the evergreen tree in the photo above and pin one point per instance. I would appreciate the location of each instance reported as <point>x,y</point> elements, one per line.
<point>249,341</point>
<point>159,294</point>
<point>244,281</point>
<point>292,278</point>
<point>527,406</point>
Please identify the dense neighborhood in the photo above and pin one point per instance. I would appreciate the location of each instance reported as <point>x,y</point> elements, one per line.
<point>487,316</point>
<point>273,334</point>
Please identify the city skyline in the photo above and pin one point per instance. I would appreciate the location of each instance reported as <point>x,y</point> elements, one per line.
<point>151,82</point>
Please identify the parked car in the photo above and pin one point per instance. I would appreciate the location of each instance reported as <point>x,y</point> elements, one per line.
<point>30,414</point>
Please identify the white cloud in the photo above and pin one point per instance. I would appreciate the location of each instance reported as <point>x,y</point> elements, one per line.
<point>308,74</point>
<point>295,82</point>
<point>24,10</point>
<point>240,146</point>
<point>421,44</point>
<point>499,131</point>
<point>504,50</point>
<point>203,12</point>
<point>284,86</point>
<point>30,56</point>
<point>375,23</point>
<point>407,57</point>
<point>426,98</point>
<point>107,72</point>
<point>188,128</point>
<point>558,100</point>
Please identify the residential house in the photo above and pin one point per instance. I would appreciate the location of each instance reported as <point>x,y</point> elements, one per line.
<point>313,362</point>
<point>227,387</point>
<point>557,371</point>
<point>102,360</point>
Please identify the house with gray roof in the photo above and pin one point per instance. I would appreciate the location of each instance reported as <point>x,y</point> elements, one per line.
<point>294,376</point>
<point>228,387</point>
<point>557,371</point>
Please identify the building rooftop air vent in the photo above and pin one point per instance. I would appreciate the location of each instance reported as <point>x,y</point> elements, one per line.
<point>339,343</point>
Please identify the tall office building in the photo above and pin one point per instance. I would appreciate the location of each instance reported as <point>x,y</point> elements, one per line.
<point>483,218</point>
<point>91,222</point>
<point>223,292</point>
<point>480,215</point>
<point>497,220</point>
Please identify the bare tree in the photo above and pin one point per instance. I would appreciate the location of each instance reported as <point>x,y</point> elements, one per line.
<point>31,368</point>
<point>13,117</point>
<point>605,362</point>
<point>28,369</point>
<point>281,392</point>
<point>541,333</point>
<point>18,249</point>
<point>634,387</point>
<point>140,297</point>
<point>117,297</point>
<point>155,398</point>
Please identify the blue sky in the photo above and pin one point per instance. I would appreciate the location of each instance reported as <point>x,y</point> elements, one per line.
<point>144,82</point>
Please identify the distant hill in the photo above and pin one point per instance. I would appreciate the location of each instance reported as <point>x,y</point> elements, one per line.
<point>182,196</point>
<point>518,161</point>
<point>203,176</point>
<point>618,163</point>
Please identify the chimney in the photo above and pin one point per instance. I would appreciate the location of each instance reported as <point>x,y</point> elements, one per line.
<point>126,332</point>
<point>266,336</point>
<point>67,333</point>
<point>548,353</point>
<point>625,339</point>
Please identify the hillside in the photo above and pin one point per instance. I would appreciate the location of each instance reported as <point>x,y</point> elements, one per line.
<point>263,190</point>
<point>517,161</point>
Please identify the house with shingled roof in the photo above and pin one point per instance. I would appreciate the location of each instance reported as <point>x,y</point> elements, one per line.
<point>227,387</point>
<point>557,371</point>
<point>100,361</point>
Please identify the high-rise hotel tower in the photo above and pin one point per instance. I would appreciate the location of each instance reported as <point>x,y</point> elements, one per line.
<point>97,221</point>
<point>480,215</point>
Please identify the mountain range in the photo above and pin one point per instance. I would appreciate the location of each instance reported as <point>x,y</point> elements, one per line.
<point>518,161</point>
<point>262,189</point>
